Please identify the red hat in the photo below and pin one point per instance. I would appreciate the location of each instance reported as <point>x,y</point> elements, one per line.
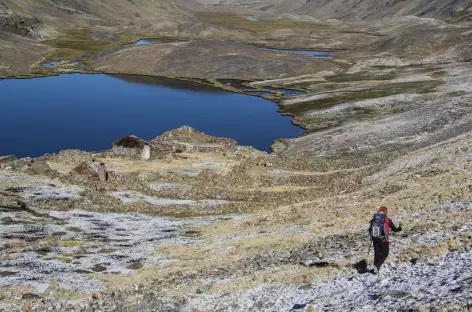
<point>383,209</point>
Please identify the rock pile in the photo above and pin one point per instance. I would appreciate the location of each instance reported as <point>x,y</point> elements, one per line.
<point>29,165</point>
<point>187,139</point>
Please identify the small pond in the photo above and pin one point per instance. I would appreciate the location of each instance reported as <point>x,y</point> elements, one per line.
<point>312,53</point>
<point>89,112</point>
<point>55,64</point>
<point>156,41</point>
<point>143,42</point>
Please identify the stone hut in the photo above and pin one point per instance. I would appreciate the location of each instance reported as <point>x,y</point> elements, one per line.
<point>132,146</point>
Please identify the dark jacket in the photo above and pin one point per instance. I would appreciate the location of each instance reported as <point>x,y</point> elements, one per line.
<point>391,225</point>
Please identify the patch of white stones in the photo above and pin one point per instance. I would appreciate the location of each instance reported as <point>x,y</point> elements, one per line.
<point>400,287</point>
<point>113,241</point>
<point>157,186</point>
<point>128,197</point>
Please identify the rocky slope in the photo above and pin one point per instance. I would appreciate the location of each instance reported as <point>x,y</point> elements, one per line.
<point>256,232</point>
<point>355,10</point>
<point>90,13</point>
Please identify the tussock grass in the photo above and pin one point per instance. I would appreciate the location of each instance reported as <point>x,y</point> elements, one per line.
<point>383,90</point>
<point>16,244</point>
<point>70,243</point>
<point>354,77</point>
<point>77,44</point>
<point>282,275</point>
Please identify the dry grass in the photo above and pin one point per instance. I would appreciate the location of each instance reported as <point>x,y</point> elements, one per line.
<point>282,275</point>
<point>187,161</point>
<point>278,189</point>
<point>70,243</point>
<point>17,244</point>
<point>241,22</point>
<point>76,44</point>
<point>378,91</point>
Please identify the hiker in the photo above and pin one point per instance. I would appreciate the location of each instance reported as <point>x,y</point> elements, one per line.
<point>379,229</point>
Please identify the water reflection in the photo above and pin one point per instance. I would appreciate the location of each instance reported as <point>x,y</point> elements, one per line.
<point>169,83</point>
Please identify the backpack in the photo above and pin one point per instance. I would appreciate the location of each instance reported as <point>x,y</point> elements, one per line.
<point>380,227</point>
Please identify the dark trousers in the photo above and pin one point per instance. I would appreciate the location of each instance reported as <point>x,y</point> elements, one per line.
<point>381,250</point>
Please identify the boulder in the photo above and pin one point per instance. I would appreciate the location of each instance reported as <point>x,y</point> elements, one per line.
<point>90,170</point>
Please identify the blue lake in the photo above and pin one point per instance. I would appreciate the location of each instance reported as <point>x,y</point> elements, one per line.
<point>89,112</point>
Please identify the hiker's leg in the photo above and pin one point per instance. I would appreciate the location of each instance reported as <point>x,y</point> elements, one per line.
<point>384,249</point>
<point>377,253</point>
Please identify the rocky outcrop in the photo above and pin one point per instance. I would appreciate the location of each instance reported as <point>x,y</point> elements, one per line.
<point>29,165</point>
<point>186,139</point>
<point>19,24</point>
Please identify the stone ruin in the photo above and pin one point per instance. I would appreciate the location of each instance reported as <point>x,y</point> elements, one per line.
<point>132,146</point>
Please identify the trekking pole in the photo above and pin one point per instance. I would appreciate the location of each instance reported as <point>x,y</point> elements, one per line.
<point>370,245</point>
